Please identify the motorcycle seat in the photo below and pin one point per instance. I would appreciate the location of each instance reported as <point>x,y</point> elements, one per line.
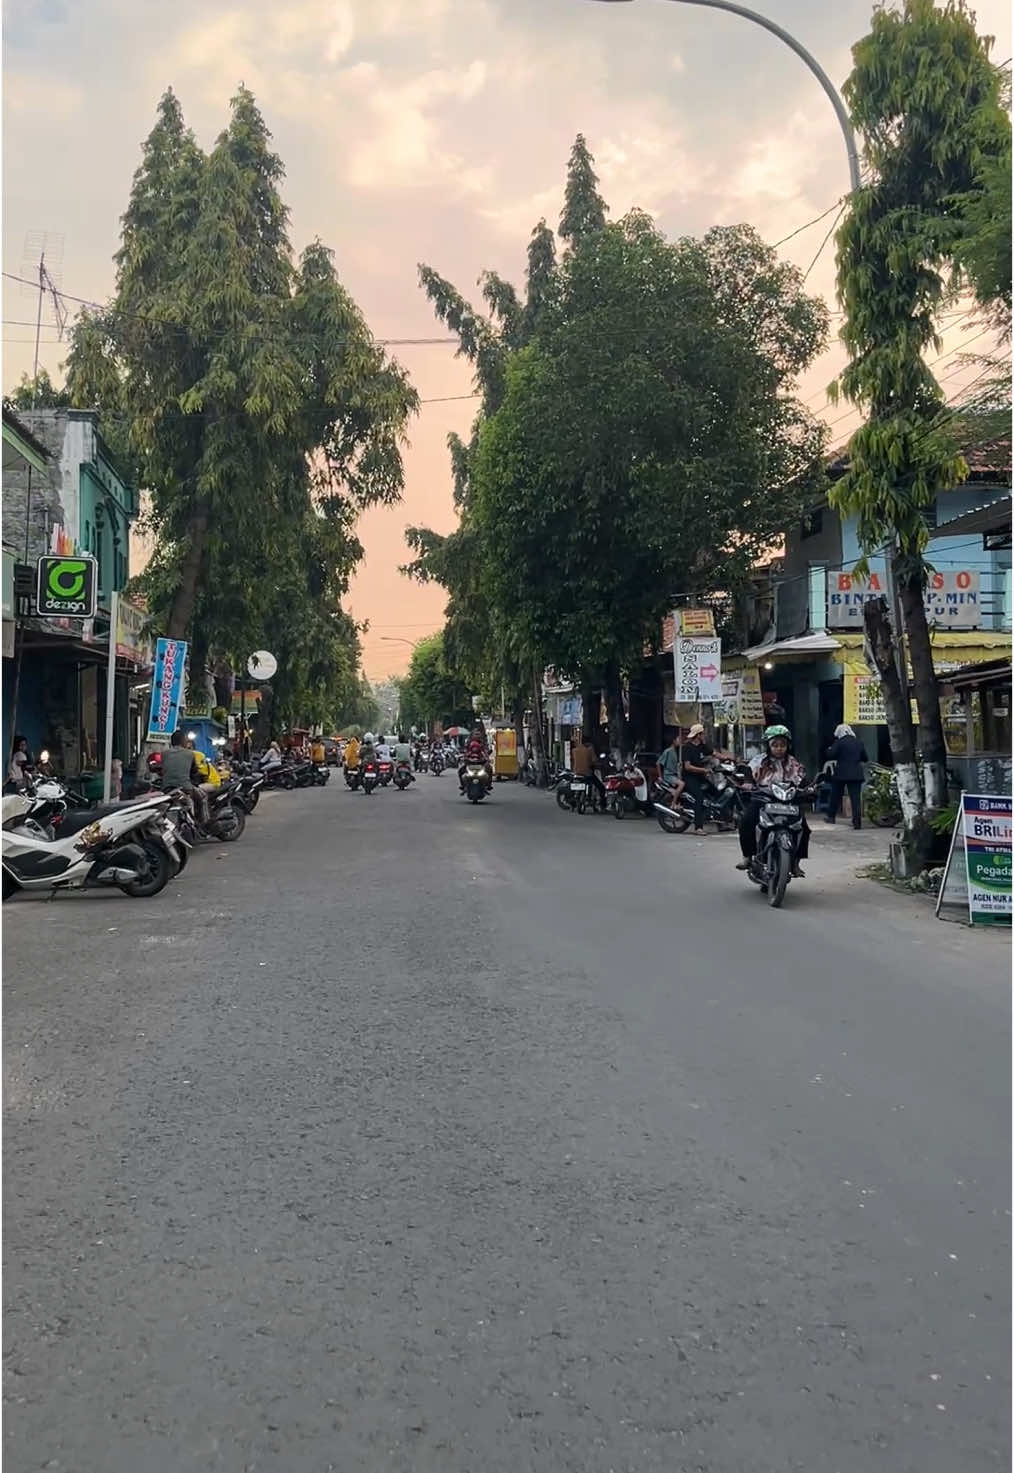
<point>79,818</point>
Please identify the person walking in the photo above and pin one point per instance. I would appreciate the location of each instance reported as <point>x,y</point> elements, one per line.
<point>848,755</point>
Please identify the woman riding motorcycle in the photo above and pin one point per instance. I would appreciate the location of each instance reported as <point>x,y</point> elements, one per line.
<point>775,765</point>
<point>475,752</point>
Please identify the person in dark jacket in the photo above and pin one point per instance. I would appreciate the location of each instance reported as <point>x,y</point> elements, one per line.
<point>848,755</point>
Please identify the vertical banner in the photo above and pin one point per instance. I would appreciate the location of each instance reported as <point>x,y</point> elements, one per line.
<point>697,669</point>
<point>987,828</point>
<point>167,686</point>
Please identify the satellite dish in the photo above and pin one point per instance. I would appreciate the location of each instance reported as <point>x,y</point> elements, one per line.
<point>262,664</point>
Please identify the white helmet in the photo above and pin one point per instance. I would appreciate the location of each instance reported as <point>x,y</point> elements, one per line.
<point>368,736</point>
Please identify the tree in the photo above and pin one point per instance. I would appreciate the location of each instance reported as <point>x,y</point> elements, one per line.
<point>37,393</point>
<point>647,443</point>
<point>260,413</point>
<point>929,148</point>
<point>431,691</point>
<point>584,211</point>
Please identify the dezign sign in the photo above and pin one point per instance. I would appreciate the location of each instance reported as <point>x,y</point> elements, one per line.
<point>952,599</point>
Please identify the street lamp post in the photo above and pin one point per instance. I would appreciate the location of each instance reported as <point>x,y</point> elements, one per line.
<point>805,56</point>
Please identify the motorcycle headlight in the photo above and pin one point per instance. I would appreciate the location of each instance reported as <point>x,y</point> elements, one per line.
<point>784,792</point>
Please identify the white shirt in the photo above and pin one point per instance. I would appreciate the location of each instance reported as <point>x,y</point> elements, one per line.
<point>383,752</point>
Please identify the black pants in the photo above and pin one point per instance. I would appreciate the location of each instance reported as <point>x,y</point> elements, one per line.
<point>599,787</point>
<point>695,787</point>
<point>855,790</point>
<point>748,832</point>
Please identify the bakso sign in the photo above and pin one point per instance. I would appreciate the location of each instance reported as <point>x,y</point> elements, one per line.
<point>952,599</point>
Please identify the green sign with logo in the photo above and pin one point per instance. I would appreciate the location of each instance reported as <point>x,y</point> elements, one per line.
<point>66,587</point>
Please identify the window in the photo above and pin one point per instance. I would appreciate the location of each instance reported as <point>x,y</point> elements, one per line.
<point>813,523</point>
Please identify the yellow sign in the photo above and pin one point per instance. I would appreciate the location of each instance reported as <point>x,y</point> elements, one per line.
<point>751,702</point>
<point>697,621</point>
<point>864,702</point>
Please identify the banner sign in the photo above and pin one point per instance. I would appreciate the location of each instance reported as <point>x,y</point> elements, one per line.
<point>864,702</point>
<point>986,823</point>
<point>66,587</point>
<point>167,686</point>
<point>697,621</point>
<point>131,641</point>
<point>697,665</point>
<point>952,599</point>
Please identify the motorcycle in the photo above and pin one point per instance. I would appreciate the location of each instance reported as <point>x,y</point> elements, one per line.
<point>385,771</point>
<point>779,829</point>
<point>722,802</point>
<point>248,790</point>
<point>475,782</point>
<point>575,793</point>
<point>279,776</point>
<point>353,777</point>
<point>403,776</point>
<point>436,764</point>
<point>321,774</point>
<point>133,846</point>
<point>370,777</point>
<point>627,793</point>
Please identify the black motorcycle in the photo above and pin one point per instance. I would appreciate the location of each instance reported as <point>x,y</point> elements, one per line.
<point>779,830</point>
<point>402,776</point>
<point>575,793</point>
<point>353,777</point>
<point>436,764</point>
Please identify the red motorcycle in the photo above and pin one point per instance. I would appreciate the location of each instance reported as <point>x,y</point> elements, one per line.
<point>385,772</point>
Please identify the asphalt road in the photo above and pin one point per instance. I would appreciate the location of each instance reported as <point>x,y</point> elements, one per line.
<point>406,1135</point>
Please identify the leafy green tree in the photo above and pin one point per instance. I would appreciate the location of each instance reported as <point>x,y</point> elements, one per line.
<point>431,691</point>
<point>261,415</point>
<point>931,145</point>
<point>647,443</point>
<point>37,393</point>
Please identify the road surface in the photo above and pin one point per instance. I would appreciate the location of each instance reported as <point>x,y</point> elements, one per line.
<point>413,1136</point>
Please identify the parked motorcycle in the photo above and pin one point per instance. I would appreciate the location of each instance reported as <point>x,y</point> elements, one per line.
<point>779,829</point>
<point>321,774</point>
<point>627,793</point>
<point>574,793</point>
<point>279,777</point>
<point>722,802</point>
<point>475,782</point>
<point>132,846</point>
<point>248,790</point>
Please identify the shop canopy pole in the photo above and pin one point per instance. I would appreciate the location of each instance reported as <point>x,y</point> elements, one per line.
<point>107,771</point>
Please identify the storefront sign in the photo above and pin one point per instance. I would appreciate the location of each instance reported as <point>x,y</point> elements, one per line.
<point>697,665</point>
<point>131,641</point>
<point>864,702</point>
<point>65,587</point>
<point>987,831</point>
<point>167,686</point>
<point>952,598</point>
<point>697,621</point>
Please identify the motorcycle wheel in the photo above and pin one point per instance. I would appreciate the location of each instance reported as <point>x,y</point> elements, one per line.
<point>184,854</point>
<point>287,781</point>
<point>236,830</point>
<point>778,878</point>
<point>158,876</point>
<point>562,799</point>
<point>253,800</point>
<point>619,808</point>
<point>672,823</point>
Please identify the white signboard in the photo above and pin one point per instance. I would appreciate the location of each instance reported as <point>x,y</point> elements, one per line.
<point>697,664</point>
<point>952,599</point>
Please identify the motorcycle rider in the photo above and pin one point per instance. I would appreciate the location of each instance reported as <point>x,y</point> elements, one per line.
<point>775,765</point>
<point>351,753</point>
<point>475,751</point>
<point>585,764</point>
<point>403,753</point>
<point>383,749</point>
<point>368,751</point>
<point>181,770</point>
<point>669,769</point>
<point>695,769</point>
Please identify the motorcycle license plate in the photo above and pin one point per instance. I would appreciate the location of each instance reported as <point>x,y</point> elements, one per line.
<point>577,787</point>
<point>781,810</point>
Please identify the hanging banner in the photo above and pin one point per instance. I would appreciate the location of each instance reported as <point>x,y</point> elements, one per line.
<point>697,621</point>
<point>131,641</point>
<point>864,702</point>
<point>167,686</point>
<point>986,823</point>
<point>697,665</point>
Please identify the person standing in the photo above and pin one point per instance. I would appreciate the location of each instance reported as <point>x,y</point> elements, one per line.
<point>696,754</point>
<point>848,755</point>
<point>20,763</point>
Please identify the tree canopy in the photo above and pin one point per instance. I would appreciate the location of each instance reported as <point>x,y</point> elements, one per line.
<point>431,691</point>
<point>258,411</point>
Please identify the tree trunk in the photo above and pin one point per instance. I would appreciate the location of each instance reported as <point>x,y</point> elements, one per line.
<point>225,683</point>
<point>932,746</point>
<point>538,729</point>
<point>618,735</point>
<point>881,653</point>
<point>182,611</point>
<point>589,708</point>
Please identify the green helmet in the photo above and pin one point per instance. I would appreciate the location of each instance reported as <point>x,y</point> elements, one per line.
<point>775,731</point>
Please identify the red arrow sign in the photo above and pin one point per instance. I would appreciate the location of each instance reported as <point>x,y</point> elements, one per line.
<point>708,672</point>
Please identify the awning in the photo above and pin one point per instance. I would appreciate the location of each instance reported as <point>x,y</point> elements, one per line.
<point>995,516</point>
<point>995,672</point>
<point>804,647</point>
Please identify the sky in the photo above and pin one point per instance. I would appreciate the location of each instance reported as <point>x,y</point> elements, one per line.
<point>433,131</point>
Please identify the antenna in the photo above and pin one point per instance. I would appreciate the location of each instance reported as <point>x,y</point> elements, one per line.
<point>43,259</point>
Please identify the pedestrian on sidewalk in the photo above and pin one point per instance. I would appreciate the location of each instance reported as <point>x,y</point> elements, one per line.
<point>848,755</point>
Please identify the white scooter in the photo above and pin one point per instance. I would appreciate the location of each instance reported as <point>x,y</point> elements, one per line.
<point>133,846</point>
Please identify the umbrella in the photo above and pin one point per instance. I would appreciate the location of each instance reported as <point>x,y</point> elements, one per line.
<point>456,731</point>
